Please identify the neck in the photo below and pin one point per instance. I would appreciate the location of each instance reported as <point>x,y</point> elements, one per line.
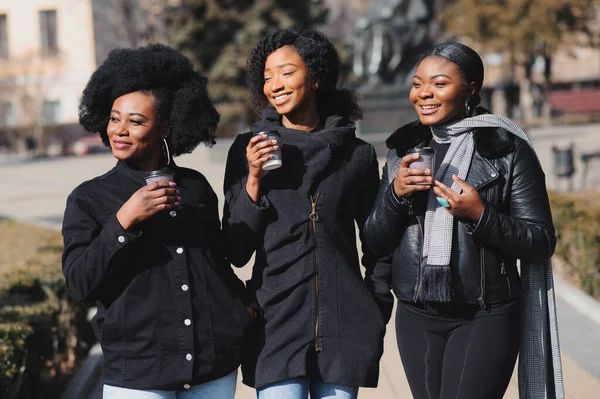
<point>306,120</point>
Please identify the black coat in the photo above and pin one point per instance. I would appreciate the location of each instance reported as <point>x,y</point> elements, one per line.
<point>164,291</point>
<point>321,318</point>
<point>516,221</point>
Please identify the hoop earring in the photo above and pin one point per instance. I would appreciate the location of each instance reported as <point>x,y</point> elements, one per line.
<point>167,153</point>
<point>467,108</point>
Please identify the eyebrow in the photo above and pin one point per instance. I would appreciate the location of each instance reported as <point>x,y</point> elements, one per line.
<point>434,76</point>
<point>282,65</point>
<point>130,114</point>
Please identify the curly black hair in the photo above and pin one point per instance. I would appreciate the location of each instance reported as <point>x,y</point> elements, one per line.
<point>323,63</point>
<point>181,94</point>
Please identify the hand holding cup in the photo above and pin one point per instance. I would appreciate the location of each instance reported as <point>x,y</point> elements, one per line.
<point>415,173</point>
<point>158,194</point>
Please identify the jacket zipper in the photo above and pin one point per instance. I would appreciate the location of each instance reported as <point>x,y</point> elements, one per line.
<point>314,217</point>
<point>503,271</point>
<point>482,280</point>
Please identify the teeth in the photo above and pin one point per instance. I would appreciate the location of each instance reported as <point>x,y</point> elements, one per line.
<point>429,106</point>
<point>281,97</point>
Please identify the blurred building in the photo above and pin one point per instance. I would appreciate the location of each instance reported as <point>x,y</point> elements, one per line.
<point>49,49</point>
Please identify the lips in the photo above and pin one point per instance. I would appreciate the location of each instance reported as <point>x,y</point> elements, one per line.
<point>281,98</point>
<point>428,109</point>
<point>120,145</point>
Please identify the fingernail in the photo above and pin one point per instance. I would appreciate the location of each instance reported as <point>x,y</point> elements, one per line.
<point>172,184</point>
<point>176,203</point>
<point>178,199</point>
<point>177,191</point>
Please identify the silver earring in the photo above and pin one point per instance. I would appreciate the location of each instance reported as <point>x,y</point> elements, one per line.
<point>467,108</point>
<point>168,154</point>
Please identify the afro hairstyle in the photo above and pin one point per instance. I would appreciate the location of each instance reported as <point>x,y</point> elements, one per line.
<point>181,94</point>
<point>323,63</point>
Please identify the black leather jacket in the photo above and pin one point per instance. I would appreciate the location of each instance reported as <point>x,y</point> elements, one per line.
<point>516,222</point>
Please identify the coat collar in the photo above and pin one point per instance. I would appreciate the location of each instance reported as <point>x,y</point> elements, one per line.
<point>136,174</point>
<point>489,142</point>
<point>335,130</point>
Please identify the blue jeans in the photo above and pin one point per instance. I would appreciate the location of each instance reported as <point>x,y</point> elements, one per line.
<point>223,388</point>
<point>298,388</point>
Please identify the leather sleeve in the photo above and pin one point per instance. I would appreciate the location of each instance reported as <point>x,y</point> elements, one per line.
<point>528,232</point>
<point>377,273</point>
<point>384,226</point>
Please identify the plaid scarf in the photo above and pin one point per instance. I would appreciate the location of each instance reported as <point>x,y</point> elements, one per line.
<point>436,275</point>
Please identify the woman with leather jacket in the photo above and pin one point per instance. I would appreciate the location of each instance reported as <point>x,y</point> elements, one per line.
<point>450,241</point>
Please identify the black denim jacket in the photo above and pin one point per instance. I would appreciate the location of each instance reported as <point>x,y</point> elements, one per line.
<point>170,309</point>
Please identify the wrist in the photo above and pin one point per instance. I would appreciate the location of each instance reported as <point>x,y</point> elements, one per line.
<point>125,222</point>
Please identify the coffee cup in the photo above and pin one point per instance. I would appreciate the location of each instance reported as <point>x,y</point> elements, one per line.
<point>158,175</point>
<point>426,160</point>
<point>275,161</point>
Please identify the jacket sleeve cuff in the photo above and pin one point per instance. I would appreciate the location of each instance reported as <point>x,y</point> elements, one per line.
<point>398,205</point>
<point>115,235</point>
<point>478,229</point>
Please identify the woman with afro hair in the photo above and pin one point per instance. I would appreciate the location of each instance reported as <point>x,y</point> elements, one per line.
<point>320,324</point>
<point>170,313</point>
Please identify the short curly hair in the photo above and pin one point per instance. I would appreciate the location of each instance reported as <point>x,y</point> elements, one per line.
<point>323,63</point>
<point>181,94</point>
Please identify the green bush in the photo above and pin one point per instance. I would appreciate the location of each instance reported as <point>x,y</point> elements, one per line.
<point>41,330</point>
<point>577,223</point>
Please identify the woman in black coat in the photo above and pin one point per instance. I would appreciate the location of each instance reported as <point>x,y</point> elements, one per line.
<point>169,319</point>
<point>319,327</point>
<point>451,240</point>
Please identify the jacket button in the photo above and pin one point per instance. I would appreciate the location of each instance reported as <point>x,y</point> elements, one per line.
<point>332,146</point>
<point>185,287</point>
<point>173,213</point>
<point>188,357</point>
<point>493,175</point>
<point>121,239</point>
<point>179,250</point>
<point>186,386</point>
<point>187,322</point>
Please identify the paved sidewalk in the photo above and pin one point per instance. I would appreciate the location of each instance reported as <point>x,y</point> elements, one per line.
<point>36,192</point>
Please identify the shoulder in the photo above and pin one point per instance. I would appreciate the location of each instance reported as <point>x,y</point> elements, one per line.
<point>410,135</point>
<point>495,142</point>
<point>88,187</point>
<point>196,181</point>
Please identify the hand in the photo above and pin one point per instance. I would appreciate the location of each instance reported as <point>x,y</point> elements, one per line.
<point>467,205</point>
<point>257,152</point>
<point>148,201</point>
<point>409,180</point>
<point>251,312</point>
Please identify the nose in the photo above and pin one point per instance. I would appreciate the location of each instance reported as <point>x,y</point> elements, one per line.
<point>276,84</point>
<point>120,128</point>
<point>424,92</point>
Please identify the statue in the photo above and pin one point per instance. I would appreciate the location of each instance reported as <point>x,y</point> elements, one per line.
<point>389,37</point>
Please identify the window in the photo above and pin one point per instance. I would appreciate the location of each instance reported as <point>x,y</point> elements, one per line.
<point>48,32</point>
<point>3,37</point>
<point>50,111</point>
<point>7,114</point>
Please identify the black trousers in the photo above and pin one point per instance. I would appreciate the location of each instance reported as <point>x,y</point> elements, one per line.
<point>458,351</point>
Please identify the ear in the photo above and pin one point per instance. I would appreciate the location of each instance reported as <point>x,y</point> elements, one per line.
<point>165,130</point>
<point>315,85</point>
<point>470,90</point>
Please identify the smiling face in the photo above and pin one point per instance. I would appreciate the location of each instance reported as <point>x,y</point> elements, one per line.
<point>134,131</point>
<point>439,91</point>
<point>288,87</point>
